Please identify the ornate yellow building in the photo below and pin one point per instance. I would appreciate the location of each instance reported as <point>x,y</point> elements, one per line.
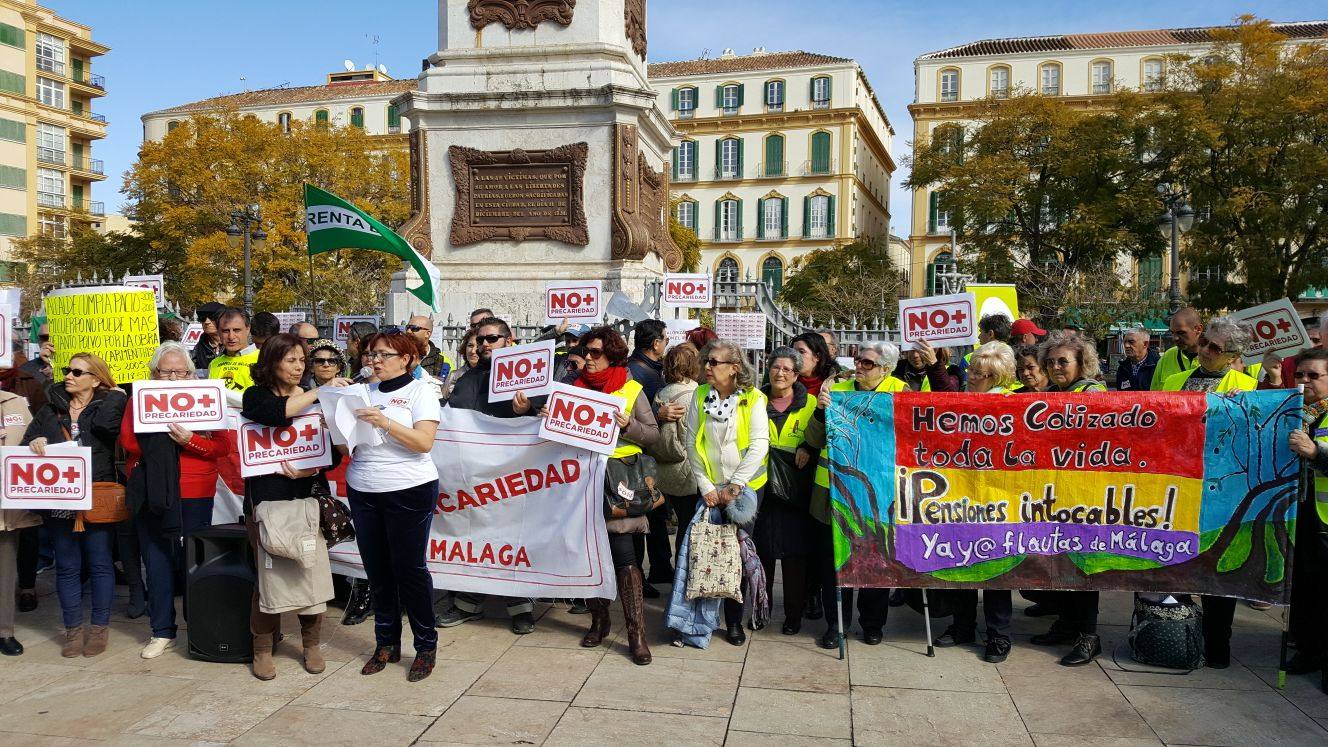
<point>47,125</point>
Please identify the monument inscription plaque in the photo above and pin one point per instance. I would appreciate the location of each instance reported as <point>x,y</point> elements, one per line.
<point>519,194</point>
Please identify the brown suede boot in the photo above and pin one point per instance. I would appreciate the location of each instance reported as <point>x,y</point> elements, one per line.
<point>263,667</point>
<point>73,645</point>
<point>313,655</point>
<point>599,623</point>
<point>629,589</point>
<point>96,643</point>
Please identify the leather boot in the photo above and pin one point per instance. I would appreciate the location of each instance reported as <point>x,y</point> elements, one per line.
<point>263,667</point>
<point>96,642</point>
<point>310,626</point>
<point>599,623</point>
<point>73,645</point>
<point>629,588</point>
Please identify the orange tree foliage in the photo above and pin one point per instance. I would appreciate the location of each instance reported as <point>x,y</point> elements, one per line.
<point>183,189</point>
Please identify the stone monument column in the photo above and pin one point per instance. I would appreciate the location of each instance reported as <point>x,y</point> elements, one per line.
<point>537,153</point>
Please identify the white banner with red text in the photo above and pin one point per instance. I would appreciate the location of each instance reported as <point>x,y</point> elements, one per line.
<point>516,516</point>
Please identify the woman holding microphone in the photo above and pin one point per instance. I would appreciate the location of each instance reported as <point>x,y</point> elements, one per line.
<point>393,488</point>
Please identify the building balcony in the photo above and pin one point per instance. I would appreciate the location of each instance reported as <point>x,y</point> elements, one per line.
<point>819,235</point>
<point>818,168</point>
<point>88,165</point>
<point>772,170</point>
<point>825,104</point>
<point>727,174</point>
<point>727,237</point>
<point>688,177</point>
<point>776,236</point>
<point>88,206</point>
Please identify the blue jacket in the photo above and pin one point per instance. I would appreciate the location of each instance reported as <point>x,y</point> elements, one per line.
<point>1130,380</point>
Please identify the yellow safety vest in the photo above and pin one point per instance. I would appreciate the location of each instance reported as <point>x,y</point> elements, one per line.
<point>629,392</point>
<point>790,437</point>
<point>1232,381</point>
<point>748,400</point>
<point>888,384</point>
<point>1320,435</point>
<point>234,369</point>
<point>1172,362</point>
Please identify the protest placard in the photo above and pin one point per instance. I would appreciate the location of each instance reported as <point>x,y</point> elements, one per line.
<point>116,323</point>
<point>154,283</point>
<point>1277,329</point>
<point>574,300</point>
<point>943,321</point>
<point>341,327</point>
<point>677,329</point>
<point>62,479</point>
<point>196,405</point>
<point>748,330</point>
<point>582,417</point>
<point>1151,491</point>
<point>527,369</point>
<point>192,335</point>
<point>288,319</point>
<point>688,290</point>
<point>304,444</point>
<point>995,298</point>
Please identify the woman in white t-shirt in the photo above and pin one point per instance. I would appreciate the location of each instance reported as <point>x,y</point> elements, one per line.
<point>393,488</point>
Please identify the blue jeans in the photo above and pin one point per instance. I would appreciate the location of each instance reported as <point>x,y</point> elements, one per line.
<point>73,550</point>
<point>160,552</point>
<point>392,529</point>
<point>195,514</point>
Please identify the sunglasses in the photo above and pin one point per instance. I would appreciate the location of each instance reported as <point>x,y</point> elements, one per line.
<point>309,340</point>
<point>77,372</point>
<point>595,353</point>
<point>711,362</point>
<point>488,339</point>
<point>325,361</point>
<point>1311,375</point>
<point>414,328</point>
<point>866,363</point>
<point>1214,348</point>
<point>391,330</point>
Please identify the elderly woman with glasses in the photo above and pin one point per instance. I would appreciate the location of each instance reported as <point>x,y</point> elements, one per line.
<point>170,491</point>
<point>326,362</point>
<point>1222,343</point>
<point>872,367</point>
<point>1072,365</point>
<point>86,408</point>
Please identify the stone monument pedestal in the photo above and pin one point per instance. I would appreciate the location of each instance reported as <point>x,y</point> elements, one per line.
<point>537,152</point>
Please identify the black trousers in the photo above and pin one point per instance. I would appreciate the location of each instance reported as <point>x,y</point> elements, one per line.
<point>996,610</point>
<point>1079,611</point>
<point>657,546</point>
<point>29,552</point>
<point>684,508</point>
<point>873,604</point>
<point>392,529</point>
<point>1218,614</point>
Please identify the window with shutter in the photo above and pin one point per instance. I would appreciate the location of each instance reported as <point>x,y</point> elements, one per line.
<point>11,35</point>
<point>1153,74</point>
<point>321,117</point>
<point>774,156</point>
<point>772,273</point>
<point>13,130</point>
<point>819,221</point>
<point>393,118</point>
<point>820,163</point>
<point>1051,79</point>
<point>772,218</point>
<point>730,221</point>
<point>357,117</point>
<point>774,96</point>
<point>283,121</point>
<point>13,225</point>
<point>13,83</point>
<point>730,165</point>
<point>730,100</point>
<point>821,92</point>
<point>686,214</point>
<point>13,177</point>
<point>686,102</point>
<point>949,85</point>
<point>999,82</point>
<point>1102,77</point>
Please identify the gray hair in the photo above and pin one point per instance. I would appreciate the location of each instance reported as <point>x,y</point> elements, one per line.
<point>889,354</point>
<point>1237,334</point>
<point>1090,366</point>
<point>165,349</point>
<point>998,358</point>
<point>787,353</point>
<point>1137,332</point>
<point>746,378</point>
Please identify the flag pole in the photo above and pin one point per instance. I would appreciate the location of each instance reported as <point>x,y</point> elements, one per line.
<point>313,300</point>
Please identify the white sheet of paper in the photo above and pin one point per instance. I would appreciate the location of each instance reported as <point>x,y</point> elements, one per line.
<point>328,397</point>
<point>356,432</point>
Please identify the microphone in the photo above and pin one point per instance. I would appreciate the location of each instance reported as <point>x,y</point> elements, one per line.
<point>365,374</point>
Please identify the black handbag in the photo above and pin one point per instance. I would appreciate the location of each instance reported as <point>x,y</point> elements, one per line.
<point>333,517</point>
<point>785,482</point>
<point>629,486</point>
<point>1167,635</point>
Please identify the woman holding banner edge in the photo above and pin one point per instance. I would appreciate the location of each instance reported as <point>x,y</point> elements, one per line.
<point>393,488</point>
<point>85,408</point>
<point>274,400</point>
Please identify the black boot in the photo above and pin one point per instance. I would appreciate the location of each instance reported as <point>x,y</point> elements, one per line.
<point>359,604</point>
<point>1085,651</point>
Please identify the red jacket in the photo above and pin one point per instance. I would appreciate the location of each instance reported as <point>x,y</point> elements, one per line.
<point>198,459</point>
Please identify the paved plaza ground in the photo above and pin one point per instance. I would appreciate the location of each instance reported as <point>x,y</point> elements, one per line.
<point>492,687</point>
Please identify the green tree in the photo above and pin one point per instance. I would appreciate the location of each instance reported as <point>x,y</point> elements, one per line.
<point>1248,124</point>
<point>857,280</point>
<point>183,189</point>
<point>686,240</point>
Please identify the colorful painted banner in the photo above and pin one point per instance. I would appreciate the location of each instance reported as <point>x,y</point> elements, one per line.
<point>516,516</point>
<point>1159,491</point>
<point>118,324</point>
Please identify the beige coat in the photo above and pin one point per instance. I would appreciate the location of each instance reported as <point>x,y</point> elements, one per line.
<point>674,473</point>
<point>284,584</point>
<point>14,417</point>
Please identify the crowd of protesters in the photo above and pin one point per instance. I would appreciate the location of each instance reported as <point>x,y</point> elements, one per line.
<point>728,446</point>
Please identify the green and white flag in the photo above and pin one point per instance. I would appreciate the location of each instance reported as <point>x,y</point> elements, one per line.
<point>332,223</point>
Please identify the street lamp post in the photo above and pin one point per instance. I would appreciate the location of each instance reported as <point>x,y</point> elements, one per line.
<point>1174,221</point>
<point>249,224</point>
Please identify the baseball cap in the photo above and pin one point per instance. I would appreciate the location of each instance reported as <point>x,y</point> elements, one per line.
<point>1026,326</point>
<point>577,330</point>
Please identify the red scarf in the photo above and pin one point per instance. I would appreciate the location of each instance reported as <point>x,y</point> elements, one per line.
<point>812,383</point>
<point>608,381</point>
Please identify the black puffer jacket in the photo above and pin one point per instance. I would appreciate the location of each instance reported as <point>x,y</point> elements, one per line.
<point>98,426</point>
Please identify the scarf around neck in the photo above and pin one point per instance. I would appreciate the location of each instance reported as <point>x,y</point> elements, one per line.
<point>812,383</point>
<point>608,381</point>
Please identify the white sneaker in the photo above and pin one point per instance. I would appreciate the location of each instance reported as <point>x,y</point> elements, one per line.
<point>156,647</point>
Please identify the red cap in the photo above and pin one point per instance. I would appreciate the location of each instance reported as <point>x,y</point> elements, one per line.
<point>1026,326</point>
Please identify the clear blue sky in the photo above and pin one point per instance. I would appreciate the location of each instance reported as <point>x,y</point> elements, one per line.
<point>168,52</point>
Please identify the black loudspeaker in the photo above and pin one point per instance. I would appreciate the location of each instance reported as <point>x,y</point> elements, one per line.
<point>219,592</point>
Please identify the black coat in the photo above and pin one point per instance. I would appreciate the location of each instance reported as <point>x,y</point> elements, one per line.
<point>98,426</point>
<point>471,392</point>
